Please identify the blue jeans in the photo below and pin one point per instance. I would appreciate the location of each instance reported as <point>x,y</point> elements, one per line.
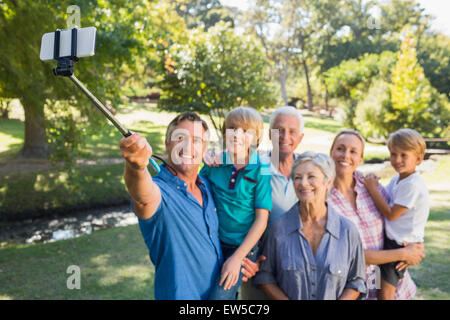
<point>218,293</point>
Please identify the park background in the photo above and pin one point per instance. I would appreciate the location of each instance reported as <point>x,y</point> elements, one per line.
<point>375,66</point>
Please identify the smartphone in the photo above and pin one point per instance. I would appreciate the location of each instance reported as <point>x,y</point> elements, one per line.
<point>85,43</point>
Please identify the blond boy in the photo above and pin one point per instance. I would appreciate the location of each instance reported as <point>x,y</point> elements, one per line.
<point>242,193</point>
<point>407,212</point>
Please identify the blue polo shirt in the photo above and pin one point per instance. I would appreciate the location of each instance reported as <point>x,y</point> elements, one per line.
<point>182,238</point>
<point>237,193</point>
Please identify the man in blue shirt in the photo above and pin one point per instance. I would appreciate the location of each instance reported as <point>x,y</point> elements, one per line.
<point>176,211</point>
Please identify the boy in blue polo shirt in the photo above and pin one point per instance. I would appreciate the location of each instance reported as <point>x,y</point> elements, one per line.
<point>242,193</point>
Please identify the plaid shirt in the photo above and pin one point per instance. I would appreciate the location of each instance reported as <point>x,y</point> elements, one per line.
<point>370,224</point>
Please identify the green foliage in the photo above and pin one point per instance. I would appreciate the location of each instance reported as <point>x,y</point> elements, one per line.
<point>143,41</point>
<point>202,13</point>
<point>360,33</point>
<point>396,14</point>
<point>434,56</point>
<point>294,34</point>
<point>410,90</point>
<point>351,80</point>
<point>353,76</point>
<point>414,102</point>
<point>348,34</point>
<point>311,32</point>
<point>213,72</point>
<point>126,33</point>
<point>382,93</point>
<point>369,112</point>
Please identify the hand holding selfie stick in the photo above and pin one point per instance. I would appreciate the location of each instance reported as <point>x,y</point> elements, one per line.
<point>65,68</point>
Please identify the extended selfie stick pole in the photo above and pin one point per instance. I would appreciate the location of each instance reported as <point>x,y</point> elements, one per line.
<point>65,68</point>
<point>101,107</point>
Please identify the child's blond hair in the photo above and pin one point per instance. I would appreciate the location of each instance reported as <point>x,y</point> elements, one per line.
<point>246,118</point>
<point>408,140</point>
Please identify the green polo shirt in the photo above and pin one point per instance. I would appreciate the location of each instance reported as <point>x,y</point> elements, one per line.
<point>237,193</point>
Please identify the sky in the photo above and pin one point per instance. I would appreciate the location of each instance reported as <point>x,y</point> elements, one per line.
<point>438,8</point>
<point>441,10</point>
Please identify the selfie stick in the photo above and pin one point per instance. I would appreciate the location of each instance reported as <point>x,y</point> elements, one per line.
<point>65,68</point>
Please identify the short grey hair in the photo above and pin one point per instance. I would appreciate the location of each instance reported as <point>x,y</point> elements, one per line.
<point>289,111</point>
<point>321,160</point>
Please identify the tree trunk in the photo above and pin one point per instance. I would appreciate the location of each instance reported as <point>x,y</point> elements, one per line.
<point>217,126</point>
<point>308,85</point>
<point>327,97</point>
<point>282,79</point>
<point>35,145</point>
<point>4,108</point>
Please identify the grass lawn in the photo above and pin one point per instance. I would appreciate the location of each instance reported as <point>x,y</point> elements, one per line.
<point>432,275</point>
<point>114,264</point>
<point>11,138</point>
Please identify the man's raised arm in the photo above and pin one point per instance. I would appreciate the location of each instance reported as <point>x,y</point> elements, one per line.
<point>145,193</point>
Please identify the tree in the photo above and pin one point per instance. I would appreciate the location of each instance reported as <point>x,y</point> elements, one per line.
<point>285,30</point>
<point>350,81</point>
<point>352,33</point>
<point>125,31</point>
<point>213,72</point>
<point>365,27</point>
<point>396,14</point>
<point>414,102</point>
<point>295,34</point>
<point>386,92</point>
<point>268,22</point>
<point>202,13</point>
<point>434,56</point>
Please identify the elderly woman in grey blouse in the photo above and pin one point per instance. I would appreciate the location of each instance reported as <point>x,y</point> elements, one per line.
<point>313,252</point>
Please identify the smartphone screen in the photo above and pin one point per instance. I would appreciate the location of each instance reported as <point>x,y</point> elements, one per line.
<point>85,43</point>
